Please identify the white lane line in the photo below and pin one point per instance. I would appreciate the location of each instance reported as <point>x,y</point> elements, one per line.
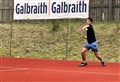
<point>77,72</point>
<point>7,67</point>
<point>53,70</point>
<point>17,69</point>
<point>12,69</point>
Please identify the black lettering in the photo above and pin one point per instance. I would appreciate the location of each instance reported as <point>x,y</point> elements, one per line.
<point>53,8</point>
<point>17,8</point>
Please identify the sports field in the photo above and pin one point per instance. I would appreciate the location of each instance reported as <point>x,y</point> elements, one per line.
<point>42,70</point>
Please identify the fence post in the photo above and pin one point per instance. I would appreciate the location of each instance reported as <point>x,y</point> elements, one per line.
<point>11,31</point>
<point>67,36</point>
<point>110,10</point>
<point>10,39</point>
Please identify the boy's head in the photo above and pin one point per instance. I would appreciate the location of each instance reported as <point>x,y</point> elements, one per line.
<point>89,20</point>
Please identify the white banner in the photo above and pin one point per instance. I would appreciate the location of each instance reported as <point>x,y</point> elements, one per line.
<point>50,9</point>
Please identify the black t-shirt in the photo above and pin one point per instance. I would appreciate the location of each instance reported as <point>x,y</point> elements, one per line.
<point>90,34</point>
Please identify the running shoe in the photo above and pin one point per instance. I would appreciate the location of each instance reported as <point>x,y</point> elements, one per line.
<point>103,63</point>
<point>83,64</point>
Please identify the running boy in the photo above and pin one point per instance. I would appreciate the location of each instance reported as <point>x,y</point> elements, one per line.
<point>91,43</point>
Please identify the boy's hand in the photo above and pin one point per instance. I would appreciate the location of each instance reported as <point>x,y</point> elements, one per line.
<point>81,30</point>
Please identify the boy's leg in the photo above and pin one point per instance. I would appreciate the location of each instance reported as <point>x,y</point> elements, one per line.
<point>94,47</point>
<point>83,53</point>
<point>84,63</point>
<point>100,58</point>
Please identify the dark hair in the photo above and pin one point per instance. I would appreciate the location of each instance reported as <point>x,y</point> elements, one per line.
<point>90,19</point>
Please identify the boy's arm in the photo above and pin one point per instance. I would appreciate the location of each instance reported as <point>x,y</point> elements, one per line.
<point>83,28</point>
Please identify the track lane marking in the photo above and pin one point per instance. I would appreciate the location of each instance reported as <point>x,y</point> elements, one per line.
<point>52,70</point>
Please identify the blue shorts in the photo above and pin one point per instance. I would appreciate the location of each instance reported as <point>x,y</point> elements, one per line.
<point>93,46</point>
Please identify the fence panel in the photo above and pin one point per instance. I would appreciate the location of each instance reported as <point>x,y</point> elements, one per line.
<point>116,10</point>
<point>0,10</point>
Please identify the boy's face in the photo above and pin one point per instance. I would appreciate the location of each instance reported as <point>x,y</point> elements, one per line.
<point>88,21</point>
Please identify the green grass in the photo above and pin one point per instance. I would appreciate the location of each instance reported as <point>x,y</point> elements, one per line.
<point>45,40</point>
